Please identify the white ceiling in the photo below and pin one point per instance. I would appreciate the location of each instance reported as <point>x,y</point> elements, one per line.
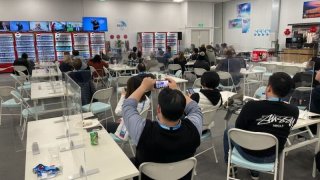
<point>215,1</point>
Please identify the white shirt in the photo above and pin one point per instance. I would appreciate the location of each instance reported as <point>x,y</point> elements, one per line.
<point>144,105</point>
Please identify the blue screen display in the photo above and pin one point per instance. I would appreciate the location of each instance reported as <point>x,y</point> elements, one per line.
<point>58,26</point>
<point>39,26</point>
<point>74,26</point>
<point>95,24</point>
<point>21,26</point>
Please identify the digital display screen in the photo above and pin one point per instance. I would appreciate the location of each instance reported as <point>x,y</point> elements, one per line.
<point>58,26</point>
<point>4,26</point>
<point>74,26</point>
<point>20,26</point>
<point>39,26</point>
<point>95,24</point>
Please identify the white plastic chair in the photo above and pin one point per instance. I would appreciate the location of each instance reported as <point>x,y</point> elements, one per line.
<point>291,70</point>
<point>103,105</point>
<point>7,101</point>
<point>199,71</point>
<point>121,83</point>
<point>96,79</point>
<point>260,92</point>
<point>168,171</point>
<point>27,111</point>
<point>208,124</point>
<point>227,76</point>
<point>178,74</point>
<point>108,77</point>
<point>197,83</point>
<point>255,141</point>
<point>22,86</point>
<point>173,67</point>
<point>20,68</point>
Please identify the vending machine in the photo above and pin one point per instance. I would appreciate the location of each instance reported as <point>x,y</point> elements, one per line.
<point>160,41</point>
<point>25,44</point>
<point>172,41</point>
<point>97,43</point>
<point>45,47</point>
<point>63,44</point>
<point>7,51</point>
<point>81,44</point>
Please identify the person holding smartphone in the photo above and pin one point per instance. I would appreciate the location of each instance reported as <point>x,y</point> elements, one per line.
<point>209,97</point>
<point>315,101</point>
<point>170,138</point>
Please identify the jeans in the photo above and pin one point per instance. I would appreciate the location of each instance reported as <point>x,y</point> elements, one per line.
<point>249,157</point>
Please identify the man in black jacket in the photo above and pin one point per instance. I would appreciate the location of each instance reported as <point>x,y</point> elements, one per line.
<point>271,116</point>
<point>23,61</point>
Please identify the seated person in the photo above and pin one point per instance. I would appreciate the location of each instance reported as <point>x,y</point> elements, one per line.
<point>201,62</point>
<point>231,65</point>
<point>211,55</point>
<point>315,101</point>
<point>139,57</point>
<point>76,55</point>
<point>181,60</point>
<point>133,54</point>
<point>141,67</point>
<point>270,116</point>
<point>98,64</point>
<point>169,138</point>
<point>23,61</point>
<point>194,56</point>
<point>104,56</point>
<point>66,64</point>
<point>209,98</point>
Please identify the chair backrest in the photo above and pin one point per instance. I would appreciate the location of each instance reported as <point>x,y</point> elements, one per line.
<point>103,94</point>
<point>259,69</point>
<point>122,80</point>
<point>5,91</point>
<point>144,113</point>
<point>94,72</point>
<point>197,83</point>
<point>291,70</point>
<point>174,67</point>
<point>208,119</point>
<point>178,74</point>
<point>168,171</point>
<point>260,92</point>
<point>17,79</point>
<point>154,69</point>
<point>22,76</point>
<point>106,71</point>
<point>301,97</point>
<point>224,75</point>
<point>270,67</point>
<point>199,71</point>
<point>20,68</point>
<point>255,141</point>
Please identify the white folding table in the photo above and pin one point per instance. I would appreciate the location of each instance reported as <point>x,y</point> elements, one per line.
<point>121,67</point>
<point>108,157</point>
<point>43,73</point>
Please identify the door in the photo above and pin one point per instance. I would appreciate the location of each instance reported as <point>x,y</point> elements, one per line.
<point>199,37</point>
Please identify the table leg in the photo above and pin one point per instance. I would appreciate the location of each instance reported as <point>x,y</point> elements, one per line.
<point>281,167</point>
<point>36,112</point>
<point>184,87</point>
<point>316,151</point>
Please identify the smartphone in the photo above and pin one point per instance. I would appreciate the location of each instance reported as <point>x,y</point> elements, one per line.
<point>190,91</point>
<point>161,84</point>
<point>314,117</point>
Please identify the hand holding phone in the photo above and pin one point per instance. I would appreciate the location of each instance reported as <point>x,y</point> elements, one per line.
<point>190,91</point>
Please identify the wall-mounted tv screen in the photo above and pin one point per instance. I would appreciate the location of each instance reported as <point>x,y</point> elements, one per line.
<point>21,26</point>
<point>74,26</point>
<point>95,24</point>
<point>4,26</point>
<point>39,26</point>
<point>58,26</point>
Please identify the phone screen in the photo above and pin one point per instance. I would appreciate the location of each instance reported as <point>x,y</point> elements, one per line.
<point>190,91</point>
<point>161,84</point>
<point>314,117</point>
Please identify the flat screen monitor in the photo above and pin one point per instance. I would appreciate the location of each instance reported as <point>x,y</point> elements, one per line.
<point>95,24</point>
<point>58,26</point>
<point>39,26</point>
<point>19,26</point>
<point>4,26</point>
<point>74,26</point>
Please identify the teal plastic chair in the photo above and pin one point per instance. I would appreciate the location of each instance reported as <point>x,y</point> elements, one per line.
<point>24,86</point>
<point>103,105</point>
<point>7,101</point>
<point>260,92</point>
<point>27,112</point>
<point>255,141</point>
<point>178,74</point>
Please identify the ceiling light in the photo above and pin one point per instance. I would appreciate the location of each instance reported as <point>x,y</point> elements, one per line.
<point>102,0</point>
<point>177,1</point>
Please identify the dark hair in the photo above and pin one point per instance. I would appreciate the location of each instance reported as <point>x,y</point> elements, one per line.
<point>228,52</point>
<point>168,48</point>
<point>210,79</point>
<point>24,56</point>
<point>139,54</point>
<point>75,53</point>
<point>66,53</point>
<point>195,50</point>
<point>202,49</point>
<point>141,67</point>
<point>77,64</point>
<point>172,103</point>
<point>134,49</point>
<point>133,84</point>
<point>281,84</point>
<point>96,58</point>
